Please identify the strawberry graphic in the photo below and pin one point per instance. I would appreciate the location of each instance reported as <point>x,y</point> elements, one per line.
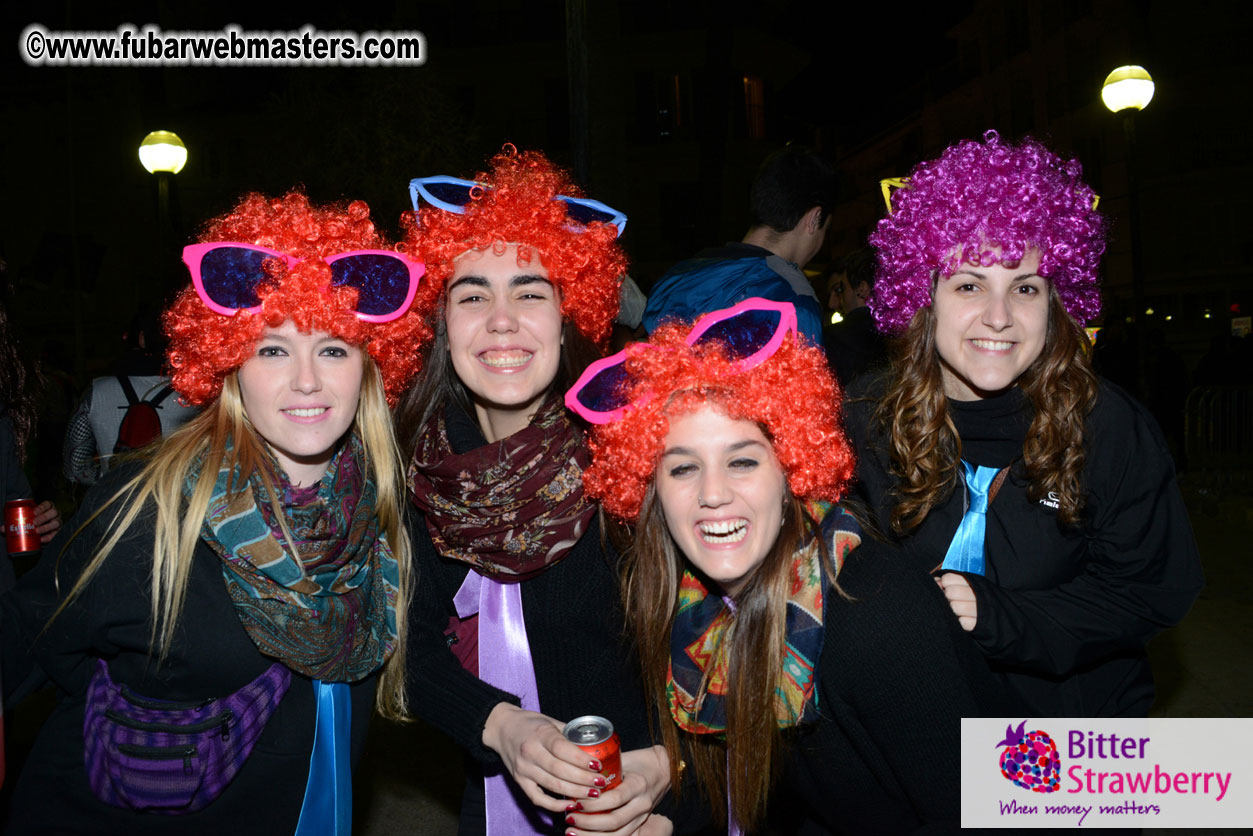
<point>1030,759</point>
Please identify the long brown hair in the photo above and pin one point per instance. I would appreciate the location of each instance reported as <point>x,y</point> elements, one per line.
<point>744,766</point>
<point>923,443</point>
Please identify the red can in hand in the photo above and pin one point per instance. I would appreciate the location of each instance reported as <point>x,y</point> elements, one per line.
<point>19,527</point>
<point>595,735</point>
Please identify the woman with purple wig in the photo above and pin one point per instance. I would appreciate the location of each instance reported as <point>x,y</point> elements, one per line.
<point>1041,496</point>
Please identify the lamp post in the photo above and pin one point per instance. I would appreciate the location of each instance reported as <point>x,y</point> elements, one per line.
<point>1128,90</point>
<point>162,153</point>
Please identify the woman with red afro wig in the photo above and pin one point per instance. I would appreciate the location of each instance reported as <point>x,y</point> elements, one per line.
<point>725,453</point>
<point>523,288</point>
<point>1043,496</point>
<point>249,574</point>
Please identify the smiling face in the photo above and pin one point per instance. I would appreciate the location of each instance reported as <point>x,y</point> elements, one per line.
<point>721,489</point>
<point>504,335</point>
<point>990,326</point>
<point>300,393</point>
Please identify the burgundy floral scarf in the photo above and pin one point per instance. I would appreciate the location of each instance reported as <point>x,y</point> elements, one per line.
<point>510,508</point>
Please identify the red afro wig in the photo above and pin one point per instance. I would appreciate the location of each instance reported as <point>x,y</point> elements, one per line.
<point>518,206</point>
<point>206,346</point>
<point>792,395</point>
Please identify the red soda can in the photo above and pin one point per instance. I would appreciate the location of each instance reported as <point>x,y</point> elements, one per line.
<point>595,735</point>
<point>19,527</point>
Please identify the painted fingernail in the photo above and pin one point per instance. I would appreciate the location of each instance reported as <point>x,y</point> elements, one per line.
<point>574,808</point>
<point>599,781</point>
<point>572,833</point>
<point>569,819</point>
<point>593,793</point>
<point>594,765</point>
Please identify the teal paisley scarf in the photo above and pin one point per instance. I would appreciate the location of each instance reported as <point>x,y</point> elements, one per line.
<point>324,605</point>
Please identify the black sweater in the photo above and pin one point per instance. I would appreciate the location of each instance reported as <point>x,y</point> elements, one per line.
<point>896,675</point>
<point>574,625</point>
<point>1063,613</point>
<point>211,656</point>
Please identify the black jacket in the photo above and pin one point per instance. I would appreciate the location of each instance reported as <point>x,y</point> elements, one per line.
<point>1063,613</point>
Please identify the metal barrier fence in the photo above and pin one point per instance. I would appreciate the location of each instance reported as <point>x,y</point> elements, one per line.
<point>1218,433</point>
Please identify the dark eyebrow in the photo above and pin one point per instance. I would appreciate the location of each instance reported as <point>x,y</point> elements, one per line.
<point>477,281</point>
<point>972,272</point>
<point>734,448</point>
<point>528,278</point>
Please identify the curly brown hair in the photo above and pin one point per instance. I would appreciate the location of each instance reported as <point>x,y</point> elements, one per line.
<point>923,443</point>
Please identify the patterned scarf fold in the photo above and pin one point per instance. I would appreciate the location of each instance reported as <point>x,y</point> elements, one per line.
<point>327,607</point>
<point>511,508</point>
<point>704,628</point>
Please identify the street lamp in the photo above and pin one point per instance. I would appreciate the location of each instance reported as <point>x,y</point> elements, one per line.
<point>162,153</point>
<point>1128,90</point>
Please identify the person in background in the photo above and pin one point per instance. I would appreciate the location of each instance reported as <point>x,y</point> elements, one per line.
<point>853,344</point>
<point>95,432</point>
<point>793,195</point>
<point>18,396</point>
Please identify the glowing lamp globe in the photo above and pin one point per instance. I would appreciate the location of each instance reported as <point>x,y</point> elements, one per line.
<point>1127,87</point>
<point>163,151</point>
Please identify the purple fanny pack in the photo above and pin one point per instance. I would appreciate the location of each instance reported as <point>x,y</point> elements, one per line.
<point>172,757</point>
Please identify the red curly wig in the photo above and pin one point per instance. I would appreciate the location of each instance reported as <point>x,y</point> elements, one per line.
<point>206,346</point>
<point>585,263</point>
<point>792,395</point>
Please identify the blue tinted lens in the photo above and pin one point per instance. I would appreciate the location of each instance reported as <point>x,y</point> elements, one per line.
<point>231,274</point>
<point>743,334</point>
<point>383,281</point>
<point>456,194</point>
<point>607,391</point>
<point>585,215</point>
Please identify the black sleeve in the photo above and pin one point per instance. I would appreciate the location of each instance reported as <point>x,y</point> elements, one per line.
<point>1141,571</point>
<point>900,661</point>
<point>441,691</point>
<point>113,604</point>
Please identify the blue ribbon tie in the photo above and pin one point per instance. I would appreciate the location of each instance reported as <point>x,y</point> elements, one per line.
<point>965,552</point>
<point>327,808</point>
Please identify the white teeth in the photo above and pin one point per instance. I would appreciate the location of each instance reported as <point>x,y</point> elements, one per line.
<point>992,345</point>
<point>306,413</point>
<point>507,360</point>
<point>724,531</point>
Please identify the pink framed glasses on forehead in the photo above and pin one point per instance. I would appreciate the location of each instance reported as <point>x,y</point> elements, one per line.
<point>226,275</point>
<point>750,333</point>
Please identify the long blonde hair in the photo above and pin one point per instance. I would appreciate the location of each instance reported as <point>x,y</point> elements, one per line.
<point>222,437</point>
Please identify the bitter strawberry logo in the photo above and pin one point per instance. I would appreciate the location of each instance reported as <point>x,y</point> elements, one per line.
<point>1030,759</point>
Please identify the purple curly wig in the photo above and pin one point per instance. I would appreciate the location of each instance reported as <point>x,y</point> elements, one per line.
<point>978,199</point>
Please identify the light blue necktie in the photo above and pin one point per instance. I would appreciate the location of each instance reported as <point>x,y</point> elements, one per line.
<point>965,553</point>
<point>327,808</point>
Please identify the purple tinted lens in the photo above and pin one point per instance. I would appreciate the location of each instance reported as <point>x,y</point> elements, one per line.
<point>607,391</point>
<point>743,334</point>
<point>382,281</point>
<point>585,215</point>
<point>230,276</point>
<point>457,194</point>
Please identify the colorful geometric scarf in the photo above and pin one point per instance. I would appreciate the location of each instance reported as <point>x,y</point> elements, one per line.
<point>704,628</point>
<point>511,508</point>
<point>326,605</point>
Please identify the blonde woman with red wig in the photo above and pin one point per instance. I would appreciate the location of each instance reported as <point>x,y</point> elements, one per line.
<point>220,614</point>
<point>517,624</point>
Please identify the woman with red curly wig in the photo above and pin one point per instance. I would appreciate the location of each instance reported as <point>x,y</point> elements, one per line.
<point>721,444</point>
<point>522,290</point>
<point>219,617</point>
<point>1044,497</point>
